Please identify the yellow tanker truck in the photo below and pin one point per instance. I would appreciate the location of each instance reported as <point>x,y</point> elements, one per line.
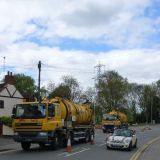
<point>51,122</point>
<point>114,119</point>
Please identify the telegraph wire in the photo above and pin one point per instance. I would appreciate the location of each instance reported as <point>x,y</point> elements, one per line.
<point>66,68</point>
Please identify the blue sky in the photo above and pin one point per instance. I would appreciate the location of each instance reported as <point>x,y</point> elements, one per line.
<point>123,35</point>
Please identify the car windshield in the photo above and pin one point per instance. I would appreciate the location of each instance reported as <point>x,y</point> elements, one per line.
<point>109,117</point>
<point>35,110</point>
<point>122,132</point>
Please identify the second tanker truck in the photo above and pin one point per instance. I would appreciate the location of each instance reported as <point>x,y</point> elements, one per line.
<point>114,119</point>
<point>51,122</point>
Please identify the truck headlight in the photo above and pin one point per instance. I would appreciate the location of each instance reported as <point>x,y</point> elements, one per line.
<point>43,133</point>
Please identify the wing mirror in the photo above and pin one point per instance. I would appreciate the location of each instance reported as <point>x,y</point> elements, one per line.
<point>13,112</point>
<point>134,132</point>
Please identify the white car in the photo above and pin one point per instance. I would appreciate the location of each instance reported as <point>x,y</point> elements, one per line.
<point>123,139</point>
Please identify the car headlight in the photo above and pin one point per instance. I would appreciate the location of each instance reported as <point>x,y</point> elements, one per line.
<point>108,139</point>
<point>43,133</point>
<point>127,141</point>
<point>15,133</point>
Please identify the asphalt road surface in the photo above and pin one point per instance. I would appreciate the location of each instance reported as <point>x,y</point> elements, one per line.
<point>82,151</point>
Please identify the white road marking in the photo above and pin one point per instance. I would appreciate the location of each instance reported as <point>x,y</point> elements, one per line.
<point>71,154</point>
<point>8,151</point>
<point>66,153</point>
<point>61,154</point>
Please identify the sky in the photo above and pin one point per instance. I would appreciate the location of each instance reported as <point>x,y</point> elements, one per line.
<point>72,37</point>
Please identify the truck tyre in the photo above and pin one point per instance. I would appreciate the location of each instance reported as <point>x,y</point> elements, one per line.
<point>42,145</point>
<point>87,137</point>
<point>104,131</point>
<point>55,143</point>
<point>25,146</point>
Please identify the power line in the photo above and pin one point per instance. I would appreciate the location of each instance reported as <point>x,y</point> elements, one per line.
<point>66,68</point>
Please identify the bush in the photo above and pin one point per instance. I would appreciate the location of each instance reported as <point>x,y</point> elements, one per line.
<point>6,120</point>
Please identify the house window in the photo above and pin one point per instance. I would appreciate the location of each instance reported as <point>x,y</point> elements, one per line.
<point>1,104</point>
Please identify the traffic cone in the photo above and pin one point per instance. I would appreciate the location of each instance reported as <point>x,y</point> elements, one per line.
<point>92,139</point>
<point>69,148</point>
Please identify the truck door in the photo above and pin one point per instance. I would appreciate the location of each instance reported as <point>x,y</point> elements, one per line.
<point>51,111</point>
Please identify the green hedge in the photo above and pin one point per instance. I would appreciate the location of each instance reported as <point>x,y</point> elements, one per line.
<point>6,120</point>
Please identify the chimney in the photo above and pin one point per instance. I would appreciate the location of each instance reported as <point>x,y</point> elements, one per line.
<point>9,79</point>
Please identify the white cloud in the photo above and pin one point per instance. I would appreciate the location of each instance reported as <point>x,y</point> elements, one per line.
<point>115,21</point>
<point>139,66</point>
<point>119,23</point>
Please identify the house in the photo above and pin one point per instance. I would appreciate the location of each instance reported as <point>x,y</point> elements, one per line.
<point>9,95</point>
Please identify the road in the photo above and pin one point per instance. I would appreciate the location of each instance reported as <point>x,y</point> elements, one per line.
<point>82,151</point>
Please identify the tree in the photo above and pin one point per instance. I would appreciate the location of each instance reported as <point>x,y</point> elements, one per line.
<point>68,88</point>
<point>24,83</point>
<point>112,90</point>
<point>133,99</point>
<point>50,87</point>
<point>74,87</point>
<point>61,91</point>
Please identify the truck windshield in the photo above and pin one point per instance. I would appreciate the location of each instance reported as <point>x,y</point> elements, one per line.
<point>30,111</point>
<point>109,117</point>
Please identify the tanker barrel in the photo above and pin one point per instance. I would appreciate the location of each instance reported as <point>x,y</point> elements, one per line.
<point>78,113</point>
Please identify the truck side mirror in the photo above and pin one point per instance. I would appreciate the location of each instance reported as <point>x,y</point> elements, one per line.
<point>13,112</point>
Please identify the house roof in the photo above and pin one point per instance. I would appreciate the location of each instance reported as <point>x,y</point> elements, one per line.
<point>2,87</point>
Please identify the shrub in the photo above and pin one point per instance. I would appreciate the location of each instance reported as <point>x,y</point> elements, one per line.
<point>6,120</point>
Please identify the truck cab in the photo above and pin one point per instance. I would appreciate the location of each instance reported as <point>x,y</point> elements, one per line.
<point>109,122</point>
<point>112,120</point>
<point>35,123</point>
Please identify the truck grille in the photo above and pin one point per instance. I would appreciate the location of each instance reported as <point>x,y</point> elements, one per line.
<point>28,126</point>
<point>28,134</point>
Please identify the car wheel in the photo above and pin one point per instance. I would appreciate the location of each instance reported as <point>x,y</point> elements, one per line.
<point>130,147</point>
<point>135,145</point>
<point>108,147</point>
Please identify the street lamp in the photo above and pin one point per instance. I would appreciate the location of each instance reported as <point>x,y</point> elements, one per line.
<point>151,108</point>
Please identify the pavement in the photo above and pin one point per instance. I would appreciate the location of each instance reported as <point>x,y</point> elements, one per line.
<point>7,143</point>
<point>152,152</point>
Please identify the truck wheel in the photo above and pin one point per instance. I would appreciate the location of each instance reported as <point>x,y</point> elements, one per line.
<point>42,145</point>
<point>54,143</point>
<point>87,137</point>
<point>104,131</point>
<point>25,146</point>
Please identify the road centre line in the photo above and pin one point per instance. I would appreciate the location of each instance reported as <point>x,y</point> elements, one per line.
<point>139,152</point>
<point>71,154</point>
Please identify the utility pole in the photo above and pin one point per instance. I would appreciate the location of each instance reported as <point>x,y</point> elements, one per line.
<point>151,109</point>
<point>98,78</point>
<point>98,68</point>
<point>39,79</point>
<point>4,58</point>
